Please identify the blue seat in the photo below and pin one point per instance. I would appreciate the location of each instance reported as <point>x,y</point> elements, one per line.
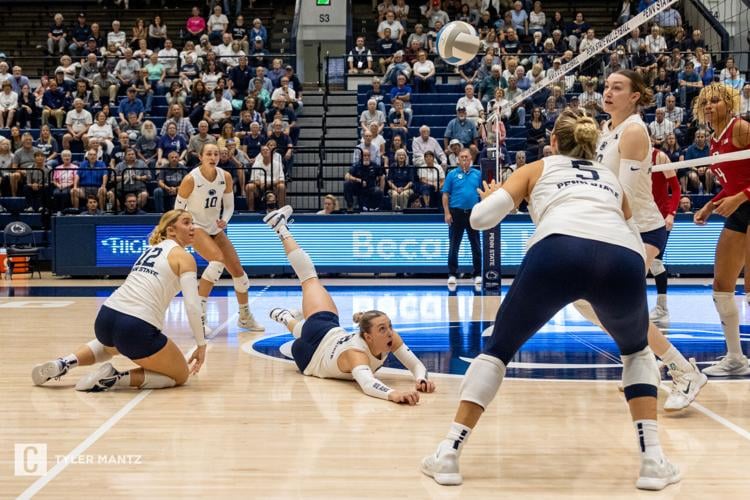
<point>516,131</point>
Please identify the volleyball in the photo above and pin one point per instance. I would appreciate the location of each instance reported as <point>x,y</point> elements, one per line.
<point>457,43</point>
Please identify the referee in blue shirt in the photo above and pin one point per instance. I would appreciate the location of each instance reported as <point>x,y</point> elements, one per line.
<point>459,197</point>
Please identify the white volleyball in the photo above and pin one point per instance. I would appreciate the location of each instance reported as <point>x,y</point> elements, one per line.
<point>457,43</point>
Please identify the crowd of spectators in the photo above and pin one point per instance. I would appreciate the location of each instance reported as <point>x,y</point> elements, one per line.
<point>127,112</point>
<point>520,44</point>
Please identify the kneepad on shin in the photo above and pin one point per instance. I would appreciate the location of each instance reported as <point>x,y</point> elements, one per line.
<point>640,374</point>
<point>212,272</point>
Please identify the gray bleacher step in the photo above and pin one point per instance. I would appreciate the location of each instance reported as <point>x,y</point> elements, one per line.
<point>312,109</point>
<point>342,133</point>
<point>308,143</point>
<point>339,143</point>
<point>310,121</point>
<point>348,99</point>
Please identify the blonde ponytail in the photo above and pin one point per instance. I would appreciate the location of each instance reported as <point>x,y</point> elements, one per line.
<point>577,134</point>
<point>159,233</point>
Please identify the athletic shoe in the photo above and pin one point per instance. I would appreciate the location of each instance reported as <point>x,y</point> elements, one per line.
<point>443,469</point>
<point>685,387</point>
<point>45,372</point>
<point>659,314</point>
<point>248,323</point>
<point>297,314</point>
<point>477,281</point>
<point>281,315</point>
<point>100,380</point>
<point>278,218</point>
<point>452,281</point>
<point>657,475</point>
<point>728,366</point>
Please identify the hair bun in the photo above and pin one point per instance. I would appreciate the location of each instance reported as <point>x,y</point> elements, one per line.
<point>586,130</point>
<point>356,317</point>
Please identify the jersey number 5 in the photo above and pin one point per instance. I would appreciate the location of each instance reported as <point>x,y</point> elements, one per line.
<point>211,202</point>
<point>590,175</point>
<point>148,257</point>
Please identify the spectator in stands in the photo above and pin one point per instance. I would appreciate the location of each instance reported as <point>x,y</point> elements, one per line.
<point>371,115</point>
<point>258,30</point>
<point>79,35</point>
<point>92,177</point>
<point>520,161</point>
<point>217,110</point>
<point>91,48</point>
<point>734,80</point>
<point>696,179</point>
<point>248,115</point>
<point>77,121</point>
<point>240,33</point>
<point>169,180</point>
<point>53,104</point>
<point>655,42</point>
<point>4,74</point>
<point>18,80</point>
<point>157,34</point>
<point>435,14</point>
<point>590,99</point>
<point>424,74</point>
<point>35,188</point>
<point>68,69</point>
<point>117,37</point>
<point>171,141</point>
<point>252,141</point>
<point>462,129</point>
<point>397,30</point>
<point>330,205</point>
<point>48,146</point>
<point>16,139</point>
<point>519,19</point>
<point>671,148</point>
<point>89,69</point>
<point>399,119</point>
<point>662,86</point>
<point>685,206</point>
<point>23,158</point>
<point>284,146</point>
<point>155,76</point>
<point>98,36</point>
<point>488,85</point>
<point>729,63</point>
<point>239,78</point>
<point>286,94</point>
<point>400,181</point>
<point>197,142</point>
<point>376,150</point>
<point>267,173</point>
<point>690,84</point>
<point>692,43</point>
<point>669,20</point>
<point>101,130</point>
<point>473,106</point>
<point>92,206</point>
<point>130,105</point>
<point>175,115</point>
<point>675,114</point>
<point>127,69</point>
<point>65,182</point>
<point>134,175</point>
<point>376,92</point>
<point>706,71</point>
<point>360,58</point>
<point>6,160</point>
<point>422,144</point>
<point>386,48</point>
<point>8,105</point>
<point>459,197</point>
<point>575,30</point>
<point>105,84</point>
<point>195,25</point>
<point>744,111</point>
<point>420,36</point>
<point>259,52</point>
<point>217,25</point>
<point>389,150</point>
<point>132,205</point>
<point>365,180</point>
<point>383,8</point>
<point>431,177</point>
<point>56,36</point>
<point>139,36</point>
<point>398,67</point>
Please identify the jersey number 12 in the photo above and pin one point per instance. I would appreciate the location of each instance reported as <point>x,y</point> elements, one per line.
<point>148,257</point>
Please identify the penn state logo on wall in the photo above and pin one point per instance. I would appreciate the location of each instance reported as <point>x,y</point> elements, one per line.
<point>17,228</point>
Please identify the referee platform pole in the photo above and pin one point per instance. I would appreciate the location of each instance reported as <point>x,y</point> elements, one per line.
<point>491,238</point>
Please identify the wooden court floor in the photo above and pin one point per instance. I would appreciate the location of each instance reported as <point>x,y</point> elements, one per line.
<point>253,427</point>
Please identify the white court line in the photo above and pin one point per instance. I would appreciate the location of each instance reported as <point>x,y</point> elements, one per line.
<point>85,444</point>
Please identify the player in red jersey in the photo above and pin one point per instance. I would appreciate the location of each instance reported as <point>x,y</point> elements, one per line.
<point>717,105</point>
<point>666,190</point>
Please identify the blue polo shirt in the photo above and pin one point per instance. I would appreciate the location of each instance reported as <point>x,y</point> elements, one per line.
<point>462,187</point>
<point>91,175</point>
<point>126,106</point>
<point>465,132</point>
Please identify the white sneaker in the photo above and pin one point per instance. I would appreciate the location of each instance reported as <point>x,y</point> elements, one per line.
<point>657,476</point>
<point>101,379</point>
<point>477,281</point>
<point>45,372</point>
<point>278,218</point>
<point>281,315</point>
<point>452,280</point>
<point>248,323</point>
<point>729,365</point>
<point>685,387</point>
<point>443,469</point>
<point>659,314</point>
<point>297,314</point>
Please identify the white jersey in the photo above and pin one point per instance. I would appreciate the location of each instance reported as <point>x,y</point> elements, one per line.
<point>580,198</point>
<point>204,203</point>
<point>324,363</point>
<point>150,286</point>
<point>645,212</point>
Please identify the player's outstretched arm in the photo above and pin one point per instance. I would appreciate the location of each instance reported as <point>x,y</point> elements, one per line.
<point>413,364</point>
<point>356,363</point>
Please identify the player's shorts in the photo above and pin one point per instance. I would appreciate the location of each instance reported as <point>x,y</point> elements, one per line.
<point>656,238</point>
<point>131,336</point>
<point>314,330</point>
<point>740,219</point>
<point>209,229</point>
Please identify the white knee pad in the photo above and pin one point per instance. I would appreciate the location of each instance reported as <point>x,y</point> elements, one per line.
<point>241,284</point>
<point>657,267</point>
<point>302,264</point>
<point>584,307</point>
<point>640,368</point>
<point>98,349</point>
<point>212,272</point>
<point>482,380</point>
<point>725,306</point>
<point>297,331</point>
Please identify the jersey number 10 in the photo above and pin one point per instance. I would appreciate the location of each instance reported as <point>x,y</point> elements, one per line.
<point>211,202</point>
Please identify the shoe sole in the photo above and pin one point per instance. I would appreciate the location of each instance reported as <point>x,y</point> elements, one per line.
<point>256,328</point>
<point>745,372</point>
<point>40,374</point>
<point>656,484</point>
<point>444,479</point>
<point>690,401</point>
